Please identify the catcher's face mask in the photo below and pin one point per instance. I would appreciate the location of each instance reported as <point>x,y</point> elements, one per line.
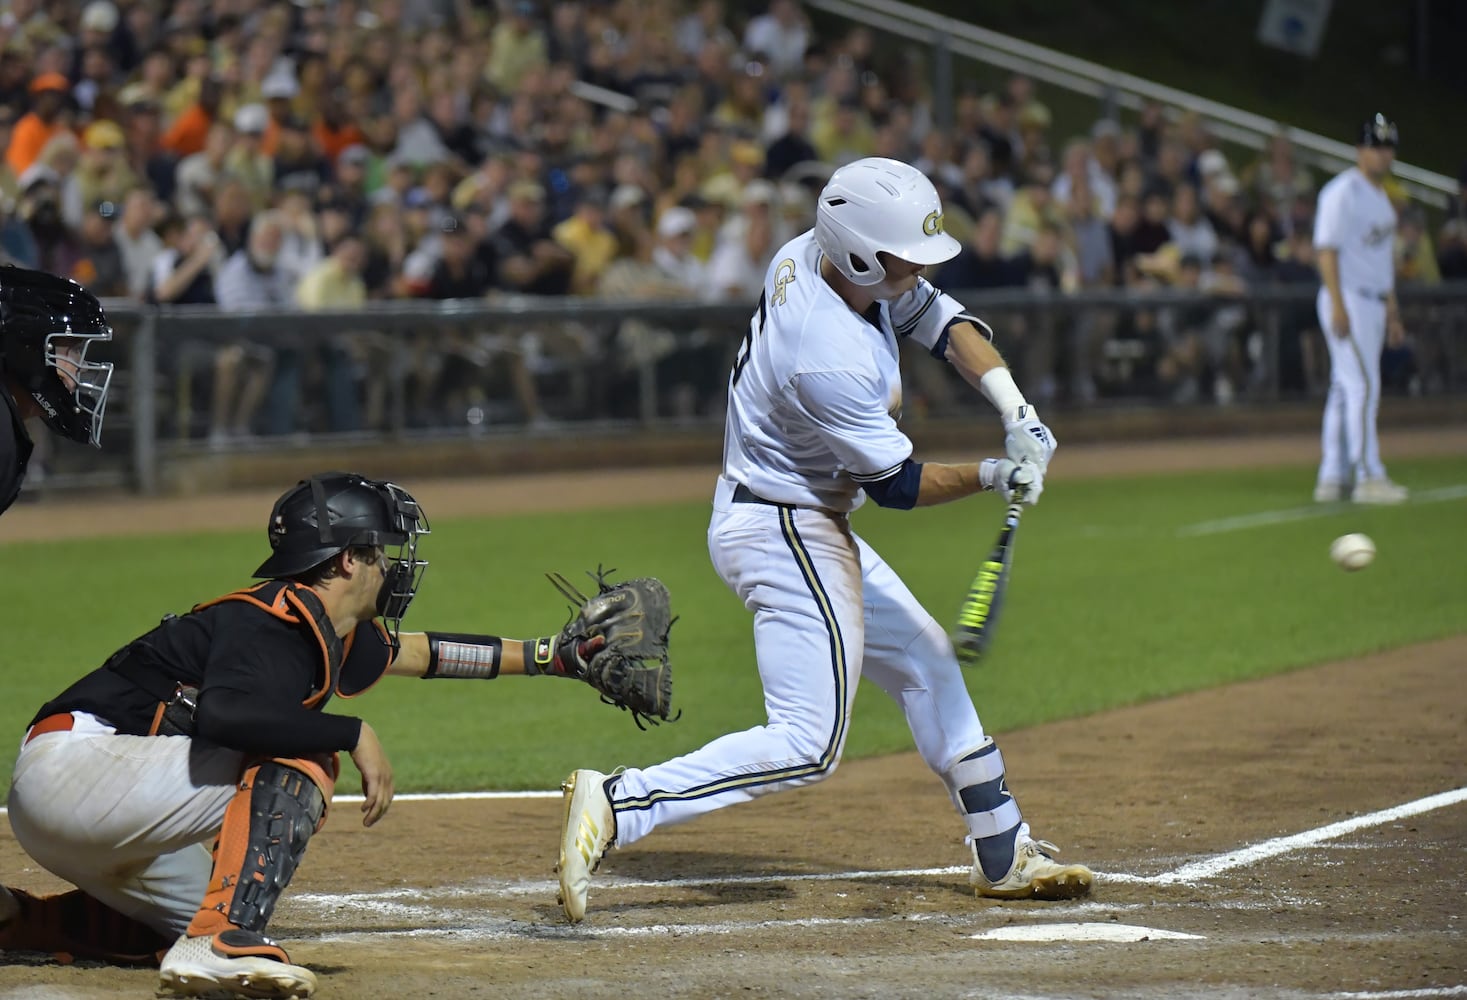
<point>403,569</point>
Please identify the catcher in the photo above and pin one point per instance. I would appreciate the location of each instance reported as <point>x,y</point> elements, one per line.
<point>178,785</point>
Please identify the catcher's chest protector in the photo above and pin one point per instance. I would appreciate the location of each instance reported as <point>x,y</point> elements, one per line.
<point>299,605</point>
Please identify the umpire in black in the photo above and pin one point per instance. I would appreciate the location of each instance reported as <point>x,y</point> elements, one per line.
<point>47,325</point>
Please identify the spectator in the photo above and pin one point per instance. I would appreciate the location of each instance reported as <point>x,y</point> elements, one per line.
<point>99,267</point>
<point>1031,207</point>
<point>1276,180</point>
<point>252,279</point>
<point>136,241</point>
<point>335,284</point>
<point>247,162</point>
<point>189,133</point>
<point>40,207</point>
<point>516,46</point>
<point>845,135</point>
<point>37,127</point>
<point>530,261</point>
<point>793,147</point>
<point>780,37</point>
<point>183,271</point>
<point>232,215</point>
<point>588,237</point>
<point>1257,261</point>
<point>981,264</point>
<point>102,173</point>
<point>706,24</point>
<point>744,247</point>
<point>9,180</point>
<point>198,175</point>
<point>155,77</point>
<point>1187,227</point>
<point>1078,166</point>
<point>1416,262</point>
<point>746,163</point>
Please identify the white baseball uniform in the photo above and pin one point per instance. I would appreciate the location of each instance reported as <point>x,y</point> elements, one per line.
<point>813,404</point>
<point>1355,218</point>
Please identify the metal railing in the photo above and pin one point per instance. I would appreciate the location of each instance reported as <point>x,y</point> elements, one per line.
<point>948,36</point>
<point>1095,348</point>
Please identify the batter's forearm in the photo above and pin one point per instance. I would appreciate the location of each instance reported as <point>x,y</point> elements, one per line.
<point>971,353</point>
<point>1329,273</point>
<point>945,483</point>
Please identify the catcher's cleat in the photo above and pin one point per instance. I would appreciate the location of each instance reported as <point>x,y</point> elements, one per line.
<point>233,963</point>
<point>1035,875</point>
<point>589,829</point>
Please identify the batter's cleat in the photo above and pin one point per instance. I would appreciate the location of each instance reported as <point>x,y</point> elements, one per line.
<point>233,963</point>
<point>1330,493</point>
<point>589,829</point>
<point>1035,875</point>
<point>1380,491</point>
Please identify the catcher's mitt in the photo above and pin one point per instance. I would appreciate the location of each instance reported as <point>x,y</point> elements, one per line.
<point>621,633</point>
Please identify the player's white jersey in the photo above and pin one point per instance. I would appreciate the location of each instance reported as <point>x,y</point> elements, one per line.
<point>1356,219</point>
<point>816,390</point>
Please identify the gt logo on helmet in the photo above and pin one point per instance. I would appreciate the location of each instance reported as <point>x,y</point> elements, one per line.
<point>932,225</point>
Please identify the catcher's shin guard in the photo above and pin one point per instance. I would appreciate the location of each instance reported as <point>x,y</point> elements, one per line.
<point>72,925</point>
<point>267,826</point>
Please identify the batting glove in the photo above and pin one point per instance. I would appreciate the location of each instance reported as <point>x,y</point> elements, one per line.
<point>1028,439</point>
<point>1007,477</point>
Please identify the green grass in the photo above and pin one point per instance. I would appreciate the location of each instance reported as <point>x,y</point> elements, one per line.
<point>1108,606</point>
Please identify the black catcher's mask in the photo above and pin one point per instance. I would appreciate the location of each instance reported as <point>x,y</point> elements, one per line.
<point>334,511</point>
<point>46,326</point>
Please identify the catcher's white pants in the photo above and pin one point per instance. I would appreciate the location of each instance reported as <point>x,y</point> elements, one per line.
<point>826,608</point>
<point>1349,445</point>
<point>129,820</point>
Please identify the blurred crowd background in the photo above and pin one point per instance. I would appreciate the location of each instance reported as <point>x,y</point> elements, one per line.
<point>256,154</point>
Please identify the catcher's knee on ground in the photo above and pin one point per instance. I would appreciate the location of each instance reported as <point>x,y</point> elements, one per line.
<point>71,925</point>
<point>269,822</point>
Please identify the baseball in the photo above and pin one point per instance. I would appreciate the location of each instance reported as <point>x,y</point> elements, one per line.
<point>1352,552</point>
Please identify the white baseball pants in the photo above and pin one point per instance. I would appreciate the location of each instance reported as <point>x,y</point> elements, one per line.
<point>1349,445</point>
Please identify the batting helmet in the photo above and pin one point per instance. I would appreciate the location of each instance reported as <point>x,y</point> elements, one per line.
<point>335,511</point>
<point>1378,131</point>
<point>47,324</point>
<point>878,204</point>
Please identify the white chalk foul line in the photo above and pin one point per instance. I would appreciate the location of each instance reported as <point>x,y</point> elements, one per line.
<point>1282,845</point>
<point>1429,991</point>
<point>1264,518</point>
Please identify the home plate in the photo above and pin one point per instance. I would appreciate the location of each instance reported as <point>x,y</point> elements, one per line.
<point>1082,932</point>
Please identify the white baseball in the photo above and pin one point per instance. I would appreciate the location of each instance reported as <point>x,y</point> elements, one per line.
<point>1352,552</point>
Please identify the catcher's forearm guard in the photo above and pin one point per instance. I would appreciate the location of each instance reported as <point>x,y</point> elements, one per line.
<point>453,654</point>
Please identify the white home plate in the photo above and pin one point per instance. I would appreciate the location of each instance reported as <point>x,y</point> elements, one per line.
<point>1082,932</point>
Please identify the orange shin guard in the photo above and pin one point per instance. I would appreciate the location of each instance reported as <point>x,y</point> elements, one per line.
<point>279,804</point>
<point>73,925</point>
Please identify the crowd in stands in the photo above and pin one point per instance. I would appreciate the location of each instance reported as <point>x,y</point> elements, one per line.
<point>325,154</point>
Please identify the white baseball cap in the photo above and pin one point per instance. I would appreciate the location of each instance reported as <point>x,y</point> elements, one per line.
<point>251,119</point>
<point>676,221</point>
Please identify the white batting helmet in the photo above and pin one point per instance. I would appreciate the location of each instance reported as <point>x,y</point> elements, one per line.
<point>878,204</point>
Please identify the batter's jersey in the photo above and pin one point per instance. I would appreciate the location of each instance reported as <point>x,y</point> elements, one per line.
<point>1356,219</point>
<point>816,389</point>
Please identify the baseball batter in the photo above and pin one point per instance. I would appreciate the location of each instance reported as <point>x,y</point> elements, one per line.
<point>814,398</point>
<point>1354,236</point>
<point>209,729</point>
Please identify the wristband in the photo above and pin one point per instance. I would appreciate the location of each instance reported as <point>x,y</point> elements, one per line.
<point>539,656</point>
<point>998,385</point>
<point>451,654</point>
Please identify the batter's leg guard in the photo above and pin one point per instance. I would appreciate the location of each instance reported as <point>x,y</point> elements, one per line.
<point>976,782</point>
<point>72,925</point>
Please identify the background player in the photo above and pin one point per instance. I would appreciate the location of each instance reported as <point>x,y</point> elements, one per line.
<point>1354,234</point>
<point>209,728</point>
<point>46,325</point>
<point>812,422</point>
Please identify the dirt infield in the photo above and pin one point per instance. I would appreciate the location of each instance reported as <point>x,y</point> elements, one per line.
<point>857,887</point>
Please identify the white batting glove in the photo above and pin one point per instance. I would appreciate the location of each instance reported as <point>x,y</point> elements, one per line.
<point>1028,439</point>
<point>1006,477</point>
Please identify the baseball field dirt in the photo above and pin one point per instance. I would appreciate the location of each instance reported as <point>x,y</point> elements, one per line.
<point>1298,836</point>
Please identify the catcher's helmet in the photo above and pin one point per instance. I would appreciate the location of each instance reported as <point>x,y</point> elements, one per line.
<point>46,325</point>
<point>334,511</point>
<point>878,204</point>
<point>1379,131</point>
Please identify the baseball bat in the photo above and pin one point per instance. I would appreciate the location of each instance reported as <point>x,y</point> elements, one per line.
<point>978,616</point>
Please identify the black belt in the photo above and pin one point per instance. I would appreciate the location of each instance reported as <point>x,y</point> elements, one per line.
<point>742,494</point>
<point>1379,296</point>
